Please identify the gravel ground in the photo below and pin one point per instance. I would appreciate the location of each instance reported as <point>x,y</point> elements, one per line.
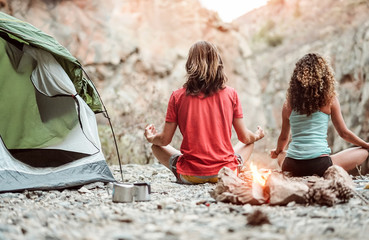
<point>174,212</point>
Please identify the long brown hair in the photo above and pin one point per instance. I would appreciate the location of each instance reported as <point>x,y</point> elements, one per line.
<point>312,84</point>
<point>204,69</point>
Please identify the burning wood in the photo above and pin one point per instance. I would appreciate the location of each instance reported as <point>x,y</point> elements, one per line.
<point>263,186</point>
<point>231,188</point>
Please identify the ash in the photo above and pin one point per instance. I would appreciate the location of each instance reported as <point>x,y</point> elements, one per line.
<point>174,212</point>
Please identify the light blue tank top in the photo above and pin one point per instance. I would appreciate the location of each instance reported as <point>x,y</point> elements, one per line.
<point>309,135</point>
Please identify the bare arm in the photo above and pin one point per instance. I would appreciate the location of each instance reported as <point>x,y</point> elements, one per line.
<point>340,126</point>
<point>163,138</point>
<point>245,135</point>
<point>284,136</point>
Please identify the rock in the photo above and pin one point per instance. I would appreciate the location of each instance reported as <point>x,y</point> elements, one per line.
<point>259,49</point>
<point>95,185</point>
<point>84,190</point>
<point>185,211</point>
<point>257,218</point>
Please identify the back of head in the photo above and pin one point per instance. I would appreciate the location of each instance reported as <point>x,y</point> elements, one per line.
<point>312,84</point>
<point>204,69</point>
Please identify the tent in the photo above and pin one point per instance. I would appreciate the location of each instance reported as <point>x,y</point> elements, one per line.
<point>48,129</point>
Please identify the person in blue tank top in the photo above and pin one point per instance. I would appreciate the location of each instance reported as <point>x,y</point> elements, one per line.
<point>311,102</point>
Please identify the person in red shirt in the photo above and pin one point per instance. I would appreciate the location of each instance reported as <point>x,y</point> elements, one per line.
<point>204,109</point>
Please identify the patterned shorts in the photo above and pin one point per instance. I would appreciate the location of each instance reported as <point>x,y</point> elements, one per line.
<point>188,179</point>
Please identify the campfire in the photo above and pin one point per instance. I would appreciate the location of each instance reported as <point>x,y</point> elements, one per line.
<point>259,177</point>
<point>264,186</point>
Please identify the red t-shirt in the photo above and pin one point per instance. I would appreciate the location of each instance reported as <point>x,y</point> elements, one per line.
<point>206,127</point>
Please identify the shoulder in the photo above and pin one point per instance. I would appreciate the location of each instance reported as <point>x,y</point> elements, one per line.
<point>335,103</point>
<point>332,104</point>
<point>287,106</point>
<point>179,92</point>
<point>287,109</point>
<point>228,91</point>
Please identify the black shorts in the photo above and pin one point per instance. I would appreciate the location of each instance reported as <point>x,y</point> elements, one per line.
<point>307,167</point>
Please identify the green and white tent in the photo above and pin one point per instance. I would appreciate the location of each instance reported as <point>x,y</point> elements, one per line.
<point>48,130</point>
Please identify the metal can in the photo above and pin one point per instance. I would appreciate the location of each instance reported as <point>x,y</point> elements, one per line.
<point>123,192</point>
<point>142,191</point>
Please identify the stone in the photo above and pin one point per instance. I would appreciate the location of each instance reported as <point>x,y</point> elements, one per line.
<point>183,214</point>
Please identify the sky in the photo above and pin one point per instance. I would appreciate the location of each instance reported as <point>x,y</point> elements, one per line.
<point>229,10</point>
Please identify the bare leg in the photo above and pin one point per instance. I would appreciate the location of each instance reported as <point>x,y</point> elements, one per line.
<point>350,158</point>
<point>281,157</point>
<point>163,153</point>
<point>244,150</point>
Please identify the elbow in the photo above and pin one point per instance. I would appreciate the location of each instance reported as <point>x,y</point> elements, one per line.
<point>244,140</point>
<point>283,139</point>
<point>161,140</point>
<point>165,141</point>
<point>344,134</point>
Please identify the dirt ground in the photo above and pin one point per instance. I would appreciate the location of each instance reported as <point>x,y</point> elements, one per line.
<point>174,211</point>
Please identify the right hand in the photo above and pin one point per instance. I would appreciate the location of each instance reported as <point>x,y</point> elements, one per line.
<point>150,132</point>
<point>274,154</point>
<point>259,133</point>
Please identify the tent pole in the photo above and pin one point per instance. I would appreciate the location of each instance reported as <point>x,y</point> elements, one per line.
<point>105,113</point>
<point>115,141</point>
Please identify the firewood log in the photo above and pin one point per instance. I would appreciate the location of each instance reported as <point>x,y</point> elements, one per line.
<point>282,190</point>
<point>337,186</point>
<point>232,189</point>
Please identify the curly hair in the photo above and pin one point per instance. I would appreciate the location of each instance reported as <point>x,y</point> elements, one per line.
<point>204,69</point>
<point>312,84</point>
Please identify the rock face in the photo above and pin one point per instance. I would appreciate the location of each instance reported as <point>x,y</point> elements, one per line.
<point>135,52</point>
<point>285,30</point>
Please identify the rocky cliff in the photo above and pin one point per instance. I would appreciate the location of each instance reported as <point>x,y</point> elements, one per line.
<point>285,30</point>
<point>135,53</point>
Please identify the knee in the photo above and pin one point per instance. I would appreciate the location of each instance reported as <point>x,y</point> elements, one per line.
<point>250,146</point>
<point>281,157</point>
<point>363,152</point>
<point>366,153</point>
<point>280,161</point>
<point>154,148</point>
<point>362,155</point>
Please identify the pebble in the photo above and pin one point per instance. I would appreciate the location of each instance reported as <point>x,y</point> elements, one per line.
<point>175,212</point>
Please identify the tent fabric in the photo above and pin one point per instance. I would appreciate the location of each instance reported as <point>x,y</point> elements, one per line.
<point>15,176</point>
<point>49,135</point>
<point>25,33</point>
<point>19,102</point>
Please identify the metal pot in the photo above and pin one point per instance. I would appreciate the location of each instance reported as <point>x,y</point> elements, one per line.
<point>128,192</point>
<point>123,192</point>
<point>142,192</point>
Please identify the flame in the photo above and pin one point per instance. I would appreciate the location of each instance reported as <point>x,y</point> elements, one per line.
<point>259,177</point>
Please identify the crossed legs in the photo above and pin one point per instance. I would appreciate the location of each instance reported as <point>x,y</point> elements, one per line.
<point>347,159</point>
<point>244,150</point>
<point>163,153</point>
<point>350,158</point>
